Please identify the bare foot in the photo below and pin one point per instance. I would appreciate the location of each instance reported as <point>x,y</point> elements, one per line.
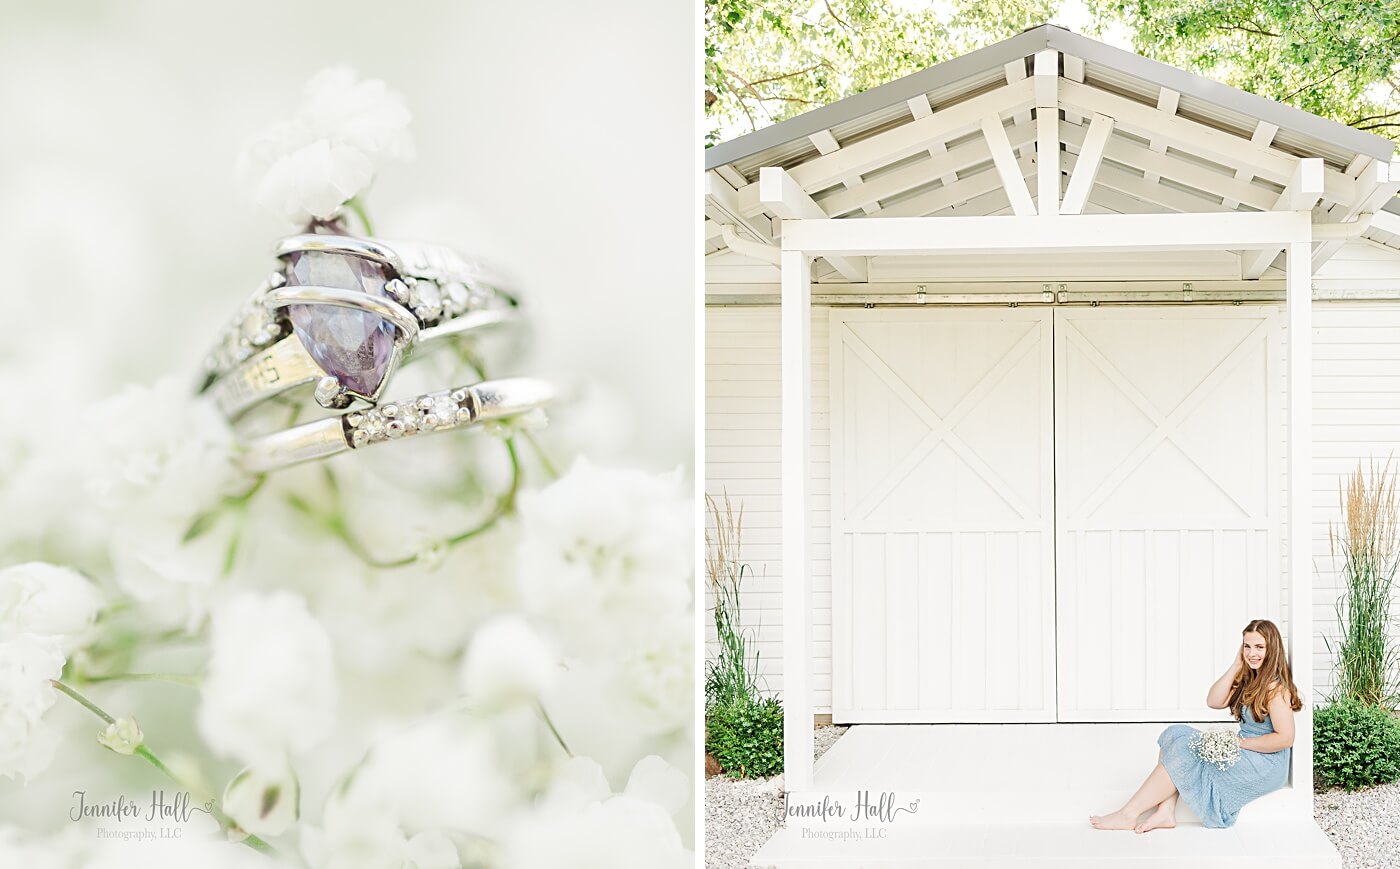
<point>1164,817</point>
<point>1119,820</point>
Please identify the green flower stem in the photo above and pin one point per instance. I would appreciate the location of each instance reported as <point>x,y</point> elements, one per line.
<point>337,526</point>
<point>542,455</point>
<point>358,207</point>
<point>553,729</point>
<point>174,678</point>
<point>149,756</point>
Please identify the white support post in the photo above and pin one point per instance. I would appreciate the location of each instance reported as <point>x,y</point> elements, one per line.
<point>798,728</point>
<point>1047,131</point>
<point>1298,300</point>
<point>1087,168</point>
<point>1302,193</point>
<point>1005,161</point>
<point>785,197</point>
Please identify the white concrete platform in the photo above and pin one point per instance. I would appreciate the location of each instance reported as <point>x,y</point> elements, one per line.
<point>990,795</point>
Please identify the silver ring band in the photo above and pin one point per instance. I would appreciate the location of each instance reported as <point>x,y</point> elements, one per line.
<point>447,410</point>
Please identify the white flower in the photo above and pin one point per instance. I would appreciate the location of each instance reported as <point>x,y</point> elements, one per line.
<point>416,788</point>
<point>366,115</point>
<point>654,683</point>
<point>602,550</point>
<point>39,598</point>
<point>159,453</point>
<point>330,151</point>
<point>577,824</point>
<point>27,663</point>
<point>507,663</point>
<point>263,805</point>
<point>658,781</point>
<point>270,687</point>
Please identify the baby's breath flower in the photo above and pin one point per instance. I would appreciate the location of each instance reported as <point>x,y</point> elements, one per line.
<point>1218,746</point>
<point>270,689</point>
<point>328,154</point>
<point>263,804</point>
<point>27,663</point>
<point>46,599</point>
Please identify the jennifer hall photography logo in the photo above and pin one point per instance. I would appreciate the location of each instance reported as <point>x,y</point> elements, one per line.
<point>877,814</point>
<point>127,818</point>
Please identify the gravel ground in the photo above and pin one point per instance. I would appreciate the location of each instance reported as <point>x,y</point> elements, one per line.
<point>1365,826</point>
<point>752,808</point>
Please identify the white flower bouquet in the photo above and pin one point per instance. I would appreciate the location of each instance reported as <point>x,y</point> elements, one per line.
<point>1219,746</point>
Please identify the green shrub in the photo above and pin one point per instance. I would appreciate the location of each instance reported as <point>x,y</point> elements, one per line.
<point>746,737</point>
<point>1355,745</point>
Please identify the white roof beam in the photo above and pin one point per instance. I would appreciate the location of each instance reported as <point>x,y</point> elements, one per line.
<point>782,195</point>
<point>725,201</point>
<point>947,164</point>
<point>1167,101</point>
<point>919,107</point>
<point>1151,163</point>
<point>1074,71</point>
<point>1083,233</point>
<point>1005,161</point>
<point>1301,194</point>
<point>1217,145</point>
<point>893,145</point>
<point>1086,168</point>
<point>826,143</point>
<point>1047,135</point>
<point>1376,184</point>
<point>1015,72</point>
<point>1263,136</point>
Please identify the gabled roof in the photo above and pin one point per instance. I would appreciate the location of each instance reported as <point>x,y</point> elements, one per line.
<point>1301,133</point>
<point>966,137</point>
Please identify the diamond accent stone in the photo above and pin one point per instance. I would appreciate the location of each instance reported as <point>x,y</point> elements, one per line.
<point>425,300</point>
<point>355,347</point>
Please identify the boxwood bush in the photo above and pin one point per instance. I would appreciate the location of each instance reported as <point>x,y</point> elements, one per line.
<point>746,737</point>
<point>1355,745</point>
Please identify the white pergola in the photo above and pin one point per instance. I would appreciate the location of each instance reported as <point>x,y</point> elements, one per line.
<point>1022,152</point>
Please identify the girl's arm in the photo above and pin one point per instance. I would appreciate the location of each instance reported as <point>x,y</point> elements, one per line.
<point>1281,714</point>
<point>1220,691</point>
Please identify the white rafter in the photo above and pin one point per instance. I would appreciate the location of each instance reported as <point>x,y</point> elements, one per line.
<point>1005,161</point>
<point>1086,168</point>
<point>779,192</point>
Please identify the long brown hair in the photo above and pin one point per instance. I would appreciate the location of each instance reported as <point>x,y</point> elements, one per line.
<point>1252,686</point>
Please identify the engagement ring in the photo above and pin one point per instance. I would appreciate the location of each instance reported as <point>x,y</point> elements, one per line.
<point>343,313</point>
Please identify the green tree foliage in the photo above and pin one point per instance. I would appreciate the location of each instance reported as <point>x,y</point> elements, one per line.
<point>1335,58</point>
<point>767,60</point>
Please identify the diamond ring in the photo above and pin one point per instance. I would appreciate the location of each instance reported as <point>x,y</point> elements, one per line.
<point>396,420</point>
<point>343,313</point>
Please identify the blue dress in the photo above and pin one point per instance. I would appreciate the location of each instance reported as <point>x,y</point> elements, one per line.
<point>1216,795</point>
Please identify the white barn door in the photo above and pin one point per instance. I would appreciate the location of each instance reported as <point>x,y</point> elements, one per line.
<point>1168,434</point>
<point>942,515</point>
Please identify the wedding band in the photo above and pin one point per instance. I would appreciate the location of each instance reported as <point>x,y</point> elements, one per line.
<point>344,313</point>
<point>447,410</point>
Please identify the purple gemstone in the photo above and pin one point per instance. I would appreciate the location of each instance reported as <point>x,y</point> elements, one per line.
<point>353,346</point>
